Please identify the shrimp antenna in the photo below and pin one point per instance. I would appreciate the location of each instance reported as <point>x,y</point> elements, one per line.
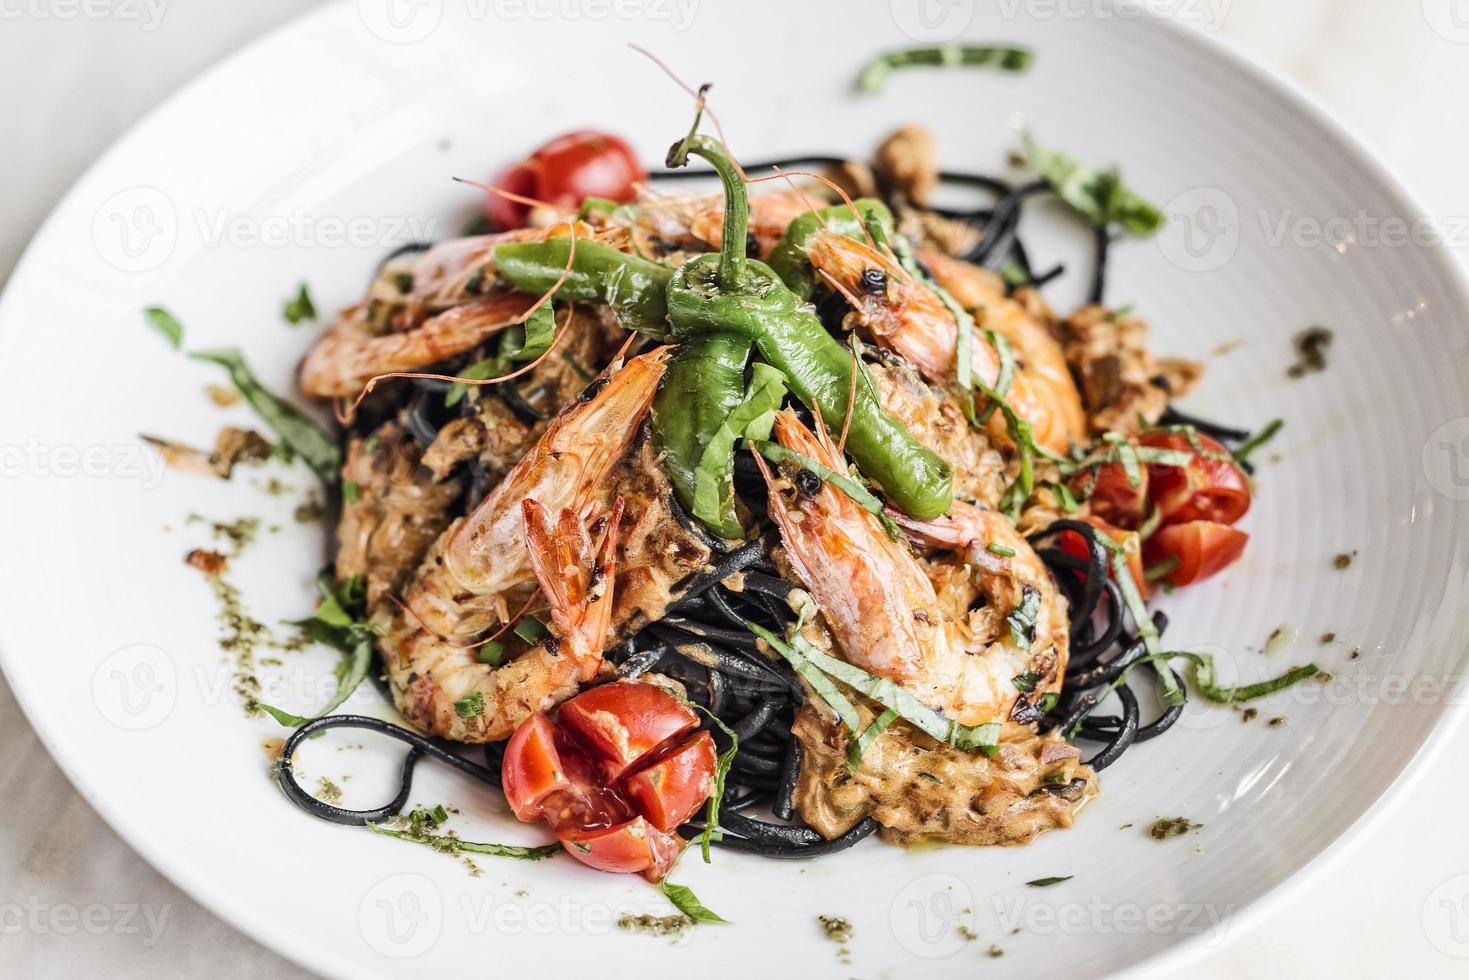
<point>557,337</point>
<point>681,84</point>
<point>786,175</point>
<point>507,195</point>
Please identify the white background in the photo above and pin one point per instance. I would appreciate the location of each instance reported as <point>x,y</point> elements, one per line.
<point>1395,70</point>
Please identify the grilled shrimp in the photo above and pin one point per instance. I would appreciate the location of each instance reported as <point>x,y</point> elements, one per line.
<point>696,223</point>
<point>982,293</point>
<point>994,562</point>
<point>462,585</point>
<point>769,216</point>
<point>878,601</point>
<point>447,691</point>
<point>420,310</point>
<point>349,354</point>
<point>911,320</point>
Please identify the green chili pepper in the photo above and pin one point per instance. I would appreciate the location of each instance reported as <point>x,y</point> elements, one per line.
<point>635,288</point>
<point>704,382</point>
<point>788,257</point>
<point>727,293</point>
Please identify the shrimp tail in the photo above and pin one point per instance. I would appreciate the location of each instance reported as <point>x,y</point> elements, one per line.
<point>578,584</point>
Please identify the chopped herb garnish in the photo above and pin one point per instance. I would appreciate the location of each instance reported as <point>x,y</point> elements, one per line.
<point>531,630</point>
<point>875,73</point>
<point>1022,620</point>
<point>1098,196</point>
<point>869,734</point>
<point>472,705</point>
<point>167,324</point>
<point>1026,682</point>
<point>863,497</point>
<point>521,342</point>
<point>1044,882</point>
<point>684,899</point>
<point>299,307</point>
<point>490,652</point>
<point>340,621</point>
<point>803,656</point>
<point>349,492</point>
<point>999,549</point>
<point>1257,440</point>
<point>750,420</point>
<point>1013,275</point>
<point>301,435</point>
<point>454,846</point>
<point>1161,569</point>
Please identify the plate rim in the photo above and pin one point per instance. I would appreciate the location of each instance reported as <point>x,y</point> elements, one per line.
<point>1189,949</point>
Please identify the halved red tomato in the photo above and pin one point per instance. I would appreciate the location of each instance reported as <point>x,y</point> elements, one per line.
<point>622,723</point>
<point>671,789</point>
<point>632,847</point>
<point>565,172</point>
<point>537,772</point>
<point>1112,498</point>
<point>614,775</point>
<point>1071,543</point>
<point>1211,487</point>
<point>1202,549</point>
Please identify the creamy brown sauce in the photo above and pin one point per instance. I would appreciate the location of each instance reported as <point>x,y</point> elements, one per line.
<point>922,790</point>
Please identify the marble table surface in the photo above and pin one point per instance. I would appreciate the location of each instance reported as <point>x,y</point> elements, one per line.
<point>75,900</point>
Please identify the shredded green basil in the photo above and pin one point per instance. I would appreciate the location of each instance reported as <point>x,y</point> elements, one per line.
<point>472,705</point>
<point>858,745</point>
<point>860,495</point>
<point>750,420</point>
<point>1022,620</point>
<point>882,690</point>
<point>304,437</point>
<point>522,342</point>
<point>299,307</point>
<point>876,72</point>
<point>165,323</point>
<point>1257,440</point>
<point>454,846</point>
<point>1098,196</point>
<point>684,899</point>
<point>340,621</point>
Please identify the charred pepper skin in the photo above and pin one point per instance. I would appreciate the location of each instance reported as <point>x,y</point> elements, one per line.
<point>731,294</point>
<point>635,288</point>
<point>818,370</point>
<point>788,257</point>
<point>704,382</point>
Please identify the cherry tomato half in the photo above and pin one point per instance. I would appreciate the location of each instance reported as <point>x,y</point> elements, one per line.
<point>1071,543</point>
<point>614,775</point>
<point>632,847</point>
<point>1202,548</point>
<point>564,173</point>
<point>1112,498</point>
<point>1211,487</point>
<point>621,723</point>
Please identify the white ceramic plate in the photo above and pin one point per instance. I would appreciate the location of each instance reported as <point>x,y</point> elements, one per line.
<point>313,152</point>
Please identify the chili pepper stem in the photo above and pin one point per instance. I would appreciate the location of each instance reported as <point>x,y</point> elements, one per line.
<point>736,200</point>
